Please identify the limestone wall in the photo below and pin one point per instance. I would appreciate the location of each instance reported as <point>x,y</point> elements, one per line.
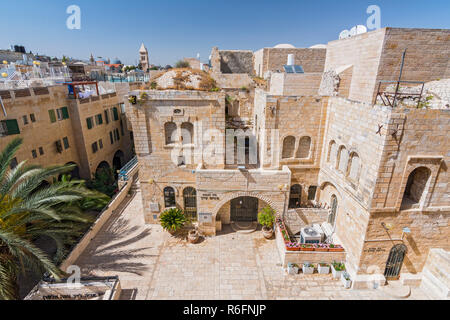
<point>232,80</point>
<point>236,61</point>
<point>295,84</point>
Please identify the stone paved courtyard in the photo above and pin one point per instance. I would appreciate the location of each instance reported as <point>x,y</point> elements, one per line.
<point>152,264</point>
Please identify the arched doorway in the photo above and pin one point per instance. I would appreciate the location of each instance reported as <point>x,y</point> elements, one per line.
<point>334,207</point>
<point>75,173</point>
<point>244,209</point>
<point>395,262</point>
<point>190,202</point>
<point>295,198</point>
<point>118,160</point>
<point>102,166</point>
<point>415,187</point>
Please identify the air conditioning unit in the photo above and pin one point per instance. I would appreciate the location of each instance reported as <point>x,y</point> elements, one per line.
<point>310,235</point>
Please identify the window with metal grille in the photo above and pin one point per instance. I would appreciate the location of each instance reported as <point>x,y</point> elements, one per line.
<point>90,123</point>
<point>169,197</point>
<point>25,119</point>
<point>59,147</point>
<point>41,151</point>
<point>312,193</point>
<point>190,202</point>
<point>115,113</point>
<point>9,127</point>
<point>106,116</point>
<point>295,197</point>
<point>99,119</point>
<point>32,117</point>
<point>34,153</point>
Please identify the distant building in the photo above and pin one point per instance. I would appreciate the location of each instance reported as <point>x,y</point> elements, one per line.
<point>143,58</point>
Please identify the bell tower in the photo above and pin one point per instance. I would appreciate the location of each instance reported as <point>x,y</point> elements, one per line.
<point>143,58</point>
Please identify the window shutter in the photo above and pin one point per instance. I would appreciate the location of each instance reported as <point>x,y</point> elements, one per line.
<point>65,112</point>
<point>12,127</point>
<point>89,123</point>
<point>52,115</point>
<point>116,114</point>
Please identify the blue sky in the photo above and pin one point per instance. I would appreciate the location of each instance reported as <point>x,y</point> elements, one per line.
<point>173,29</point>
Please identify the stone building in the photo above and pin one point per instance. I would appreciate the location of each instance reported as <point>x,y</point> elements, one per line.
<point>143,58</point>
<point>59,128</point>
<point>315,148</point>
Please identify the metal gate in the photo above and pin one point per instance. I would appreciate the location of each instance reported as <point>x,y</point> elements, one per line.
<point>244,209</point>
<point>395,262</point>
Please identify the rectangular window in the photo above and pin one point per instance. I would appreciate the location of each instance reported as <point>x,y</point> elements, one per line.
<point>121,128</point>
<point>41,151</point>
<point>111,137</point>
<point>106,116</point>
<point>312,193</point>
<point>25,119</point>
<point>59,114</point>
<point>89,122</point>
<point>13,163</point>
<point>66,143</point>
<point>65,112</point>
<point>98,119</point>
<point>115,113</point>
<point>34,154</point>
<point>52,115</point>
<point>59,147</point>
<point>100,143</point>
<point>33,117</point>
<point>94,147</point>
<point>9,127</point>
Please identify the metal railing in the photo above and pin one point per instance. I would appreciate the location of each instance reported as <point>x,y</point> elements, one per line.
<point>124,172</point>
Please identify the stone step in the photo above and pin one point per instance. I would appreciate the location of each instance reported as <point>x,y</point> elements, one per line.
<point>396,290</point>
<point>244,227</point>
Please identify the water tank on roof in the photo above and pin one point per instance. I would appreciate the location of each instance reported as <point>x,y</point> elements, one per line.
<point>290,60</point>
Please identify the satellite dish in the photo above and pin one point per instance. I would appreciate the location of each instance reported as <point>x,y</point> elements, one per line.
<point>344,34</point>
<point>359,29</point>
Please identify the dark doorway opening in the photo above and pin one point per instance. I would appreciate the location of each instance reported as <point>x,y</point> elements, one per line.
<point>244,209</point>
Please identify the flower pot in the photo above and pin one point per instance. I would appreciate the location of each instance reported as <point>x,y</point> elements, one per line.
<point>308,270</point>
<point>323,269</point>
<point>346,281</point>
<point>292,269</point>
<point>193,236</point>
<point>267,232</point>
<point>336,274</point>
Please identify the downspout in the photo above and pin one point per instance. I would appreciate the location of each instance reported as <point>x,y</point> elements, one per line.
<point>3,107</point>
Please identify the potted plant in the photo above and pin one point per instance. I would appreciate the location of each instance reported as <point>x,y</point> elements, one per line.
<point>172,220</point>
<point>323,268</point>
<point>306,247</point>
<point>293,268</point>
<point>335,248</point>
<point>321,247</point>
<point>308,268</point>
<point>346,281</point>
<point>193,236</point>
<point>266,218</point>
<point>337,268</point>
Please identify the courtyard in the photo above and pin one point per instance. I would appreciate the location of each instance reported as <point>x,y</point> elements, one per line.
<point>153,265</point>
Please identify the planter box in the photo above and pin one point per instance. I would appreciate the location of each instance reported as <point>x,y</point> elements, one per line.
<point>336,250</point>
<point>321,250</point>
<point>308,270</point>
<point>292,270</point>
<point>347,283</point>
<point>323,270</point>
<point>292,249</point>
<point>306,249</point>
<point>336,274</point>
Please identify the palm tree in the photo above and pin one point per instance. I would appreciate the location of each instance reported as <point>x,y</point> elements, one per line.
<point>29,210</point>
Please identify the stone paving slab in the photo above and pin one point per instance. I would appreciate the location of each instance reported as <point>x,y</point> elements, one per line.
<point>153,265</point>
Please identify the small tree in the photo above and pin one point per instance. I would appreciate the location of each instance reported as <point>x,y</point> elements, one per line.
<point>266,217</point>
<point>172,220</point>
<point>104,182</point>
<point>182,64</point>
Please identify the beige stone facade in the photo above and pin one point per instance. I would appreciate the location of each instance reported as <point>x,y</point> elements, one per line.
<point>54,128</point>
<point>377,175</point>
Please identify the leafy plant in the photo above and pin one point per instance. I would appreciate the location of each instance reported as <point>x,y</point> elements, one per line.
<point>104,181</point>
<point>30,209</point>
<point>346,276</point>
<point>308,265</point>
<point>182,64</point>
<point>153,85</point>
<point>338,266</point>
<point>266,217</point>
<point>173,219</point>
<point>323,264</point>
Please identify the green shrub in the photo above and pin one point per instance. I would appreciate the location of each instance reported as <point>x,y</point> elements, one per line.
<point>338,266</point>
<point>172,220</point>
<point>153,85</point>
<point>182,64</point>
<point>266,217</point>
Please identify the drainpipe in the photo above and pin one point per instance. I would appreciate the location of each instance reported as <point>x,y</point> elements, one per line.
<point>3,107</point>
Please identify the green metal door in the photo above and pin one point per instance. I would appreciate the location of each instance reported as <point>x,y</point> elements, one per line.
<point>244,209</point>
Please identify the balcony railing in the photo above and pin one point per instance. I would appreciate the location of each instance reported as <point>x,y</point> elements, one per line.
<point>124,172</point>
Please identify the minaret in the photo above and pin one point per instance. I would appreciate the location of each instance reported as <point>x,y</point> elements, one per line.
<point>143,58</point>
<point>92,61</point>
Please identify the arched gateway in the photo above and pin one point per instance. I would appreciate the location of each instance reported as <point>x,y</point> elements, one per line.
<point>244,209</point>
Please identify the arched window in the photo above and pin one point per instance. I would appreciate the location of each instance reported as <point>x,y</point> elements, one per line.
<point>295,198</point>
<point>304,148</point>
<point>342,159</point>
<point>416,185</point>
<point>288,147</point>
<point>332,152</point>
<point>334,207</point>
<point>190,202</point>
<point>187,133</point>
<point>354,167</point>
<point>170,129</point>
<point>169,197</point>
